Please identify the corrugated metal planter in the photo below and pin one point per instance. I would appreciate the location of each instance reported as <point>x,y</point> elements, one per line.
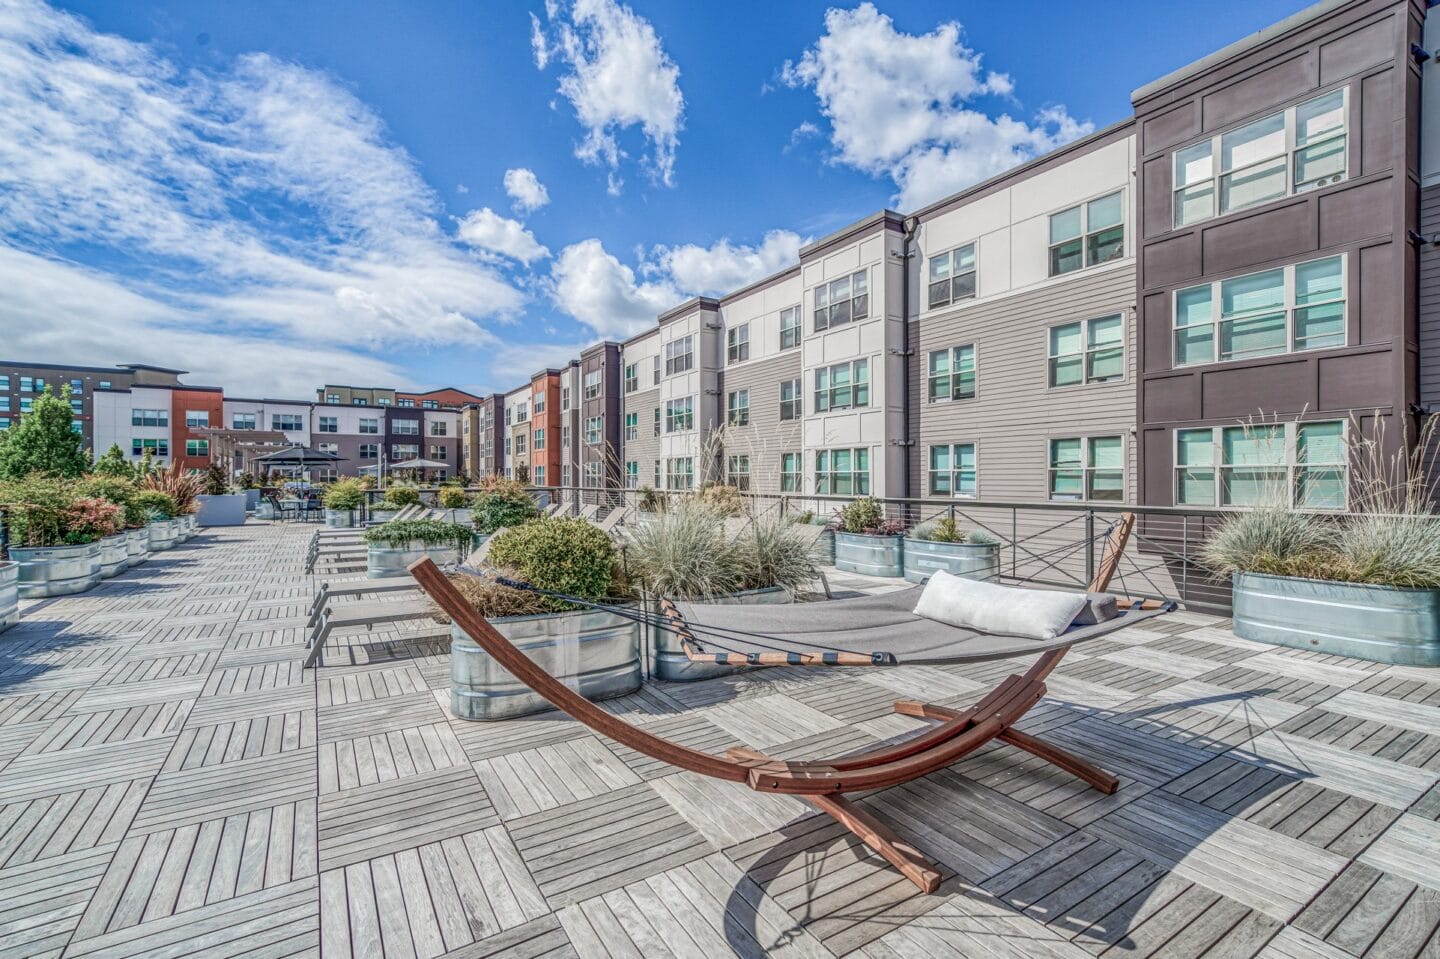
<point>339,518</point>
<point>668,660</point>
<point>164,533</point>
<point>190,524</point>
<point>383,515</point>
<point>114,554</point>
<point>184,527</point>
<point>57,570</point>
<point>1384,624</point>
<point>969,560</point>
<point>222,510</point>
<point>870,555</point>
<point>137,546</point>
<point>595,653</point>
<point>382,561</point>
<point>9,594</point>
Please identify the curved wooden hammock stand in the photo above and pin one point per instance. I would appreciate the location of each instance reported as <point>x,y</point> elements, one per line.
<point>822,784</point>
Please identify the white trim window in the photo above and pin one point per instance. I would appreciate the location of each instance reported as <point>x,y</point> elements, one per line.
<point>952,374</point>
<point>680,414</point>
<point>953,470</point>
<point>1303,465</point>
<point>591,384</point>
<point>590,474</point>
<point>632,474</point>
<point>194,419</point>
<point>1298,149</point>
<point>202,448</point>
<point>328,424</point>
<point>791,473</point>
<point>540,475</point>
<point>521,444</point>
<point>369,425</point>
<point>842,301</point>
<point>1286,310</point>
<point>1088,234</point>
<point>287,422</point>
<point>1087,468</point>
<point>439,428</point>
<point>156,447</point>
<point>952,276</point>
<point>405,451</point>
<point>790,327</point>
<point>369,451</point>
<point>564,399</point>
<point>1090,351</point>
<point>737,471</point>
<point>539,439</point>
<point>792,400</point>
<point>538,403</point>
<point>679,355</point>
<point>244,421</point>
<point>632,426</point>
<point>737,344</point>
<point>593,429</point>
<point>139,417</point>
<point>842,472</point>
<point>405,427</point>
<point>657,421</point>
<point>655,373</point>
<point>632,377</point>
<point>737,407</point>
<point>842,386</point>
<point>680,473</point>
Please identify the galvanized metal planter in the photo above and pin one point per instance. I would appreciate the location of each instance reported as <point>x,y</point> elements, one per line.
<point>339,518</point>
<point>137,546</point>
<point>224,510</point>
<point>871,555</point>
<point>190,524</point>
<point>595,653</point>
<point>57,570</point>
<point>9,594</point>
<point>114,554</point>
<point>382,561</point>
<point>164,533</point>
<point>1384,624</point>
<point>668,660</point>
<point>383,515</point>
<point>825,547</point>
<point>969,560</point>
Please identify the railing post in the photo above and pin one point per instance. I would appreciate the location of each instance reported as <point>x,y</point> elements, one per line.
<point>1089,546</point>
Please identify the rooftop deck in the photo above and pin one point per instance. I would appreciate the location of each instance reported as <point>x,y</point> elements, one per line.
<point>171,783</point>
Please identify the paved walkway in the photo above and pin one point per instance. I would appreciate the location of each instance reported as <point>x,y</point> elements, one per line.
<point>172,784</point>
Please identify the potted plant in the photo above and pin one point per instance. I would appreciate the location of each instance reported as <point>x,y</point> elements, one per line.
<point>183,490</point>
<point>391,547</point>
<point>942,545</point>
<point>396,498</point>
<point>342,500</point>
<point>55,535</point>
<point>217,505</point>
<point>501,503</point>
<point>867,542</point>
<point>129,545</point>
<point>456,501</point>
<point>163,529</point>
<point>595,652</point>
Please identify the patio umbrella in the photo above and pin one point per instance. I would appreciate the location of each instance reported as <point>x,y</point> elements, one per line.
<point>298,456</point>
<point>419,465</point>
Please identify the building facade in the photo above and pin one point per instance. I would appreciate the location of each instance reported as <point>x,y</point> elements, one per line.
<point>640,410</point>
<point>546,441</point>
<point>21,382</point>
<point>597,441</point>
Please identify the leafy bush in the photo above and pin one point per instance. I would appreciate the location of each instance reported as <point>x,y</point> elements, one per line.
<point>158,505</point>
<point>215,482</point>
<point>504,504</point>
<point>178,484</point>
<point>773,551</point>
<point>568,555</point>
<point>92,518</point>
<point>113,463</point>
<point>399,497</point>
<point>400,533</point>
<point>982,537</point>
<point>453,497</point>
<point>724,500</point>
<point>945,530</point>
<point>866,516</point>
<point>344,494</point>
<point>649,500</point>
<point>44,511</point>
<point>42,441</point>
<point>683,553</point>
<point>247,481</point>
<point>121,492</point>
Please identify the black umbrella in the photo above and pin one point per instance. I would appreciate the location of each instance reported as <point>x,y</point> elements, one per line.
<point>297,456</point>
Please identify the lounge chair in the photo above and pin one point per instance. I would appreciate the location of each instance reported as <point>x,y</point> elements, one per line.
<point>612,520</point>
<point>823,784</point>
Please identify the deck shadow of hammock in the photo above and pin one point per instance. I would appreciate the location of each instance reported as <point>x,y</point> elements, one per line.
<point>801,869</point>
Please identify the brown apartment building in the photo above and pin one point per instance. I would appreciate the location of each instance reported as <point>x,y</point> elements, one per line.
<point>599,416</point>
<point>545,428</point>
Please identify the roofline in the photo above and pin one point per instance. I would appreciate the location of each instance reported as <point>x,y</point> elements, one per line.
<point>62,366</point>
<point>153,369</point>
<point>884,219</point>
<point>641,335</point>
<point>694,303</point>
<point>760,284</point>
<point>547,371</point>
<point>251,399</point>
<point>595,347</point>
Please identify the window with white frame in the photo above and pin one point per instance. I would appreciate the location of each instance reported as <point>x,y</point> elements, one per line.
<point>952,470</point>
<point>1088,234</point>
<point>197,447</point>
<point>439,428</point>
<point>138,447</point>
<point>792,402</point>
<point>565,439</point>
<point>1294,150</point>
<point>679,355</point>
<point>680,414</point>
<point>842,472</point>
<point>369,451</point>
<point>632,426</point>
<point>328,424</point>
<point>522,412</point>
<point>287,422</point>
<point>540,438</point>
<point>369,425</point>
<point>791,473</point>
<point>540,475</point>
<point>952,374</point>
<point>737,471</point>
<point>404,403</point>
<point>737,343</point>
<point>655,373</point>
<point>242,421</point>
<point>593,430</point>
<point>680,473</point>
<point>632,378</point>
<point>737,408</point>
<point>842,301</point>
<point>27,403</point>
<point>404,451</point>
<point>522,441</point>
<point>790,327</point>
<point>194,419</point>
<point>140,417</point>
<point>1091,351</point>
<point>430,404</point>
<point>405,427</point>
<point>657,421</point>
<point>952,276</point>
<point>842,386</point>
<point>328,447</point>
<point>632,474</point>
<point>1290,309</point>
<point>592,383</point>
<point>1087,468</point>
<point>1304,465</point>
<point>590,474</point>
<point>538,402</point>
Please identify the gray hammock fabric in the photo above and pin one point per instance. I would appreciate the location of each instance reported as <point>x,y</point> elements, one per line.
<point>883,624</point>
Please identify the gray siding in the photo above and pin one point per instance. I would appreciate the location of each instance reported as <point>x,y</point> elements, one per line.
<point>767,436</point>
<point>646,449</point>
<point>1429,306</point>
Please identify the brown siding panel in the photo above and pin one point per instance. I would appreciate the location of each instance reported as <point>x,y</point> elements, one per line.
<point>1277,233</point>
<point>1366,47</point>
<point>1259,92</point>
<point>1429,307</point>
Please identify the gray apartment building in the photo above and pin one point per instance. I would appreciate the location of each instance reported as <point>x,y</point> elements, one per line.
<point>598,417</point>
<point>640,412</point>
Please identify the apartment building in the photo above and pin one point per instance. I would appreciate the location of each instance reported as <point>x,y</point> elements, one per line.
<point>333,394</point>
<point>570,424</point>
<point>442,440</point>
<point>21,382</point>
<point>354,433</point>
<point>444,398</point>
<point>640,411</point>
<point>192,411</point>
<point>598,440</point>
<point>691,368</point>
<point>288,417</point>
<point>515,443</point>
<point>546,442</point>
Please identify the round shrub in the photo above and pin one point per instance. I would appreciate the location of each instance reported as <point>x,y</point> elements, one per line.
<point>157,505</point>
<point>399,497</point>
<point>862,516</point>
<point>121,492</point>
<point>453,497</point>
<point>502,506</point>
<point>724,500</point>
<point>569,555</point>
<point>344,494</point>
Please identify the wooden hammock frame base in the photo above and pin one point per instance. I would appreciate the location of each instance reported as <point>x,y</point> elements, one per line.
<point>956,733</point>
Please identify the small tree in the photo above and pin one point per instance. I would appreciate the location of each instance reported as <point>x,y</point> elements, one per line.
<point>114,464</point>
<point>43,442</point>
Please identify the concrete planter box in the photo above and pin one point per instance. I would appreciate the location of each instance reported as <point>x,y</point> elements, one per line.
<point>593,652</point>
<point>339,518</point>
<point>252,500</point>
<point>114,554</point>
<point>1384,624</point>
<point>164,534</point>
<point>9,594</point>
<point>226,510</point>
<point>57,570</point>
<point>383,561</point>
<point>871,555</point>
<point>137,546</point>
<point>970,560</point>
<point>668,658</point>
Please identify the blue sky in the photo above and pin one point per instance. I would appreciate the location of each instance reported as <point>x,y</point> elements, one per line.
<point>278,194</point>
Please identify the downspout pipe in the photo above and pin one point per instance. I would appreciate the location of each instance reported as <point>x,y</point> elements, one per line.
<point>911,224</point>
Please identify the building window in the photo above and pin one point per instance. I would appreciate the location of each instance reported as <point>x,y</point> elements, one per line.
<point>76,386</point>
<point>790,327</point>
<point>565,440</point>
<point>657,421</point>
<point>439,428</point>
<point>1291,309</point>
<point>842,472</point>
<point>540,438</point>
<point>592,384</point>
<point>4,422</point>
<point>328,447</point>
<point>1292,151</point>
<point>26,403</point>
<point>632,474</point>
<point>680,473</point>
<point>76,426</point>
<point>1087,468</point>
<point>1088,234</point>
<point>656,371</point>
<point>507,446</point>
<point>4,403</point>
<point>329,424</point>
<point>590,475</point>
<point>737,344</point>
<point>738,408</point>
<point>632,378</point>
<point>27,384</point>
<point>5,383</point>
<point>77,405</point>
<point>679,414</point>
<point>632,426</point>
<point>593,430</point>
<point>679,355</point>
<point>521,443</point>
<point>332,397</point>
<point>952,470</point>
<point>242,421</point>
<point>361,401</point>
<point>842,301</point>
<point>406,404</point>
<point>287,422</point>
<point>522,412</point>
<point>140,417</point>
<point>538,403</point>
<point>842,386</point>
<point>952,374</point>
<point>1092,351</point>
<point>540,475</point>
<point>1283,464</point>
<point>564,399</point>
<point>952,276</point>
<point>104,384</point>
<point>156,447</point>
<point>369,451</point>
<point>790,472</point>
<point>792,403</point>
<point>369,424</point>
<point>737,471</point>
<point>430,404</point>
<point>404,451</point>
<point>438,451</point>
<point>405,427</point>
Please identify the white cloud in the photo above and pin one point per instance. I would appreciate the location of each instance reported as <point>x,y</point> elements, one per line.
<point>619,77</point>
<point>598,290</point>
<point>902,105</point>
<point>259,201</point>
<point>525,188</point>
<point>725,267</point>
<point>490,231</point>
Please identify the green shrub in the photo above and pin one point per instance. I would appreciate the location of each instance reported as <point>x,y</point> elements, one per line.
<point>399,497</point>
<point>863,515</point>
<point>982,537</point>
<point>216,483</point>
<point>773,551</point>
<point>683,553</point>
<point>400,533</point>
<point>37,510</point>
<point>344,494</point>
<point>453,497</point>
<point>504,505</point>
<point>121,492</point>
<point>158,505</point>
<point>568,555</point>
<point>113,463</point>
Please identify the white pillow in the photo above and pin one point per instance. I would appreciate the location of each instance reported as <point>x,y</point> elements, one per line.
<point>1002,610</point>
